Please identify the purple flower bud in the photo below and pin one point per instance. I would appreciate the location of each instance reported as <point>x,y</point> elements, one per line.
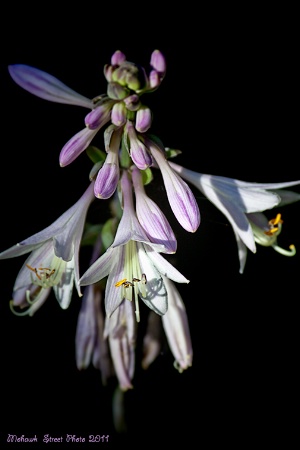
<point>75,146</point>
<point>118,114</point>
<point>108,176</point>
<point>143,119</point>
<point>158,62</point>
<point>154,79</point>
<point>180,196</point>
<point>107,179</point>
<point>100,115</point>
<point>138,151</point>
<point>118,58</point>
<point>132,102</point>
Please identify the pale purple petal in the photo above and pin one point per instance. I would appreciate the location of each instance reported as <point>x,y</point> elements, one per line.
<point>156,294</point>
<point>45,86</point>
<point>175,323</point>
<point>64,289</point>
<point>164,267</point>
<point>100,268</point>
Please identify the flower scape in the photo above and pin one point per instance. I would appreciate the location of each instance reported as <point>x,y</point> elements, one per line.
<point>129,277</point>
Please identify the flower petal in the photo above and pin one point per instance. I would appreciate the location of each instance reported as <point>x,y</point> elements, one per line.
<point>45,86</point>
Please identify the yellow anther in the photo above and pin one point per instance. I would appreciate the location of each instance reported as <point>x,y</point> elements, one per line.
<point>271,231</point>
<point>119,283</point>
<point>276,221</point>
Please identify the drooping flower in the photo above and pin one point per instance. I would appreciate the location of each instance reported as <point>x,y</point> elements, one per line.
<point>236,199</point>
<point>54,259</point>
<point>132,263</point>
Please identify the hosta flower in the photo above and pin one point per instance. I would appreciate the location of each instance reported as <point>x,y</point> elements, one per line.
<point>236,199</point>
<point>133,264</point>
<point>54,259</point>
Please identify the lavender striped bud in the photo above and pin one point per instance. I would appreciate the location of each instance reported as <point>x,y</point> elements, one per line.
<point>180,196</point>
<point>138,151</point>
<point>118,58</point>
<point>100,115</point>
<point>158,62</point>
<point>118,114</point>
<point>154,79</point>
<point>75,146</point>
<point>108,176</point>
<point>143,119</point>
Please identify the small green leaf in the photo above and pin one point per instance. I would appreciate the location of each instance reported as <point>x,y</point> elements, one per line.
<point>95,154</point>
<point>108,232</point>
<point>91,234</point>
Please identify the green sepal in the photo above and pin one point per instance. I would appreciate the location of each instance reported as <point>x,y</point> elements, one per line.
<point>95,154</point>
<point>147,176</point>
<point>95,169</point>
<point>125,160</point>
<point>172,152</point>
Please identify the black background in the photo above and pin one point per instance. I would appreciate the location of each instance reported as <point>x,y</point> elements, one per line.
<point>230,102</point>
